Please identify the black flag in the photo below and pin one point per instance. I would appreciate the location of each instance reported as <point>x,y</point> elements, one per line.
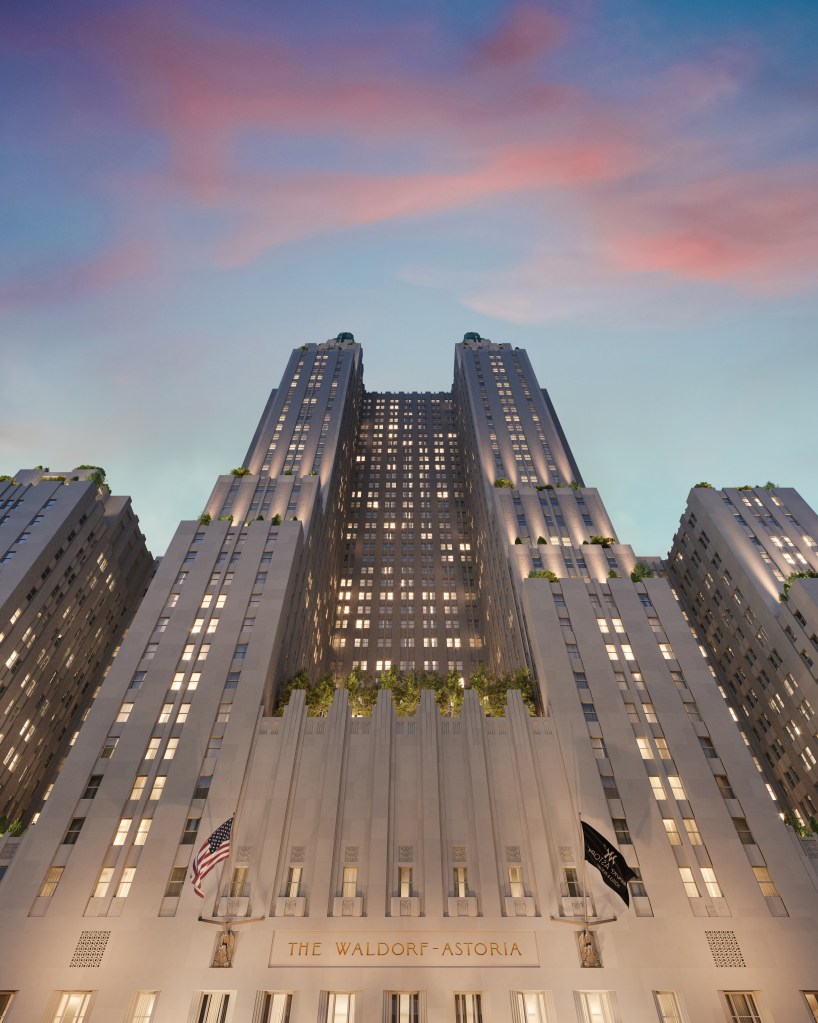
<point>609,861</point>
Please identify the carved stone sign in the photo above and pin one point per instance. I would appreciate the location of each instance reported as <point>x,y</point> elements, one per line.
<point>416,948</point>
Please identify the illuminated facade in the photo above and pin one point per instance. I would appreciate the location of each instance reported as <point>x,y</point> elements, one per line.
<point>421,867</point>
<point>73,568</point>
<point>736,553</point>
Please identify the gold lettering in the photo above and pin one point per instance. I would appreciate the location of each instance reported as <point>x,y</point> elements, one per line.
<point>515,950</point>
<point>447,949</point>
<point>494,948</point>
<point>423,946</point>
<point>383,948</point>
<point>342,947</point>
<point>478,947</point>
<point>316,948</point>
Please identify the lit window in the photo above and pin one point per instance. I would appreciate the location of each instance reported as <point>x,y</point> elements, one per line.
<point>124,712</point>
<point>70,1007</point>
<point>170,750</point>
<point>657,787</point>
<point>689,882</point>
<point>644,748</point>
<point>667,1004</point>
<point>765,882</point>
<point>50,882</point>
<point>405,882</point>
<point>138,786</point>
<point>105,876</point>
<point>294,882</point>
<point>515,882</point>
<point>531,1006</point>
<point>158,786</point>
<point>273,1007</point>
<point>181,717</point>
<point>125,882</point>
<point>340,1007</point>
<point>153,748</point>
<point>672,830</point>
<point>349,887</point>
<point>597,1006</point>
<point>692,831</point>
<point>142,831</point>
<point>142,1006</point>
<point>211,1007</point>
<point>468,1008</point>
<point>676,786</point>
<point>710,883</point>
<point>742,1007</point>
<point>122,831</point>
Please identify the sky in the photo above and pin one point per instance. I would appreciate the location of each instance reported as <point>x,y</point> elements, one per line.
<point>627,189</point>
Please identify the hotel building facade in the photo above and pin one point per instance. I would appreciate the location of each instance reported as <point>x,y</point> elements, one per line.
<point>73,568</point>
<point>745,563</point>
<point>420,867</point>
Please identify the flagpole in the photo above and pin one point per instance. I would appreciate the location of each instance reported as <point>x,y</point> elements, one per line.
<point>227,871</point>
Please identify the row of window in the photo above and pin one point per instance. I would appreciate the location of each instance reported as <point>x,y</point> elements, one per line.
<point>403,1007</point>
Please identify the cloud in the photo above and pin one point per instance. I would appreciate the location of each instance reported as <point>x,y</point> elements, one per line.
<point>527,33</point>
<point>68,280</point>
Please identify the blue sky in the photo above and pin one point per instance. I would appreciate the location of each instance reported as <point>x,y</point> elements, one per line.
<point>628,190</point>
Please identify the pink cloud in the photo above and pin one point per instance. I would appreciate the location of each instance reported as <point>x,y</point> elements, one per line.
<point>68,280</point>
<point>527,32</point>
<point>757,229</point>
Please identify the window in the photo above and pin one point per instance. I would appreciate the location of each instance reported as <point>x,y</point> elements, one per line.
<point>623,835</point>
<point>190,830</point>
<point>668,1007</point>
<point>294,882</point>
<point>689,882</point>
<point>657,787</point>
<point>676,786</point>
<point>461,882</point>
<point>92,787</point>
<point>142,831</point>
<point>170,749</point>
<point>73,832</point>
<point>468,1008</point>
<point>124,713</point>
<point>572,882</point>
<point>340,1007</point>
<point>238,882</point>
<point>530,1006</point>
<point>742,1007</point>
<point>70,1007</point>
<point>515,882</point>
<point>153,748</point>
<point>273,1007</point>
<point>644,748</point>
<point>165,713</point>
<point>50,882</point>
<point>743,830</point>
<point>812,1002</point>
<point>5,1002</point>
<point>138,786</point>
<point>349,888</point>
<point>692,831</point>
<point>104,879</point>
<point>125,882</point>
<point>710,882</point>
<point>142,1006</point>
<point>765,882</point>
<point>672,830</point>
<point>212,1007</point>
<point>158,786</point>
<point>176,882</point>
<point>724,786</point>
<point>405,882</point>
<point>108,748</point>
<point>122,831</point>
<point>595,1006</point>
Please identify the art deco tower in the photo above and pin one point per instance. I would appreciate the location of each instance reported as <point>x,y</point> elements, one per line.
<point>418,861</point>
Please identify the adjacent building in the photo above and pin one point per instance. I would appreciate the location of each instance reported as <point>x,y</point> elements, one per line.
<point>745,562</point>
<point>73,568</point>
<point>419,861</point>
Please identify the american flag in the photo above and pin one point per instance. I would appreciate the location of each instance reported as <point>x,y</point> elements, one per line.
<point>213,851</point>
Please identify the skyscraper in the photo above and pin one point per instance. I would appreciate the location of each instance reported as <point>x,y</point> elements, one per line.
<point>73,568</point>
<point>421,859</point>
<point>744,561</point>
